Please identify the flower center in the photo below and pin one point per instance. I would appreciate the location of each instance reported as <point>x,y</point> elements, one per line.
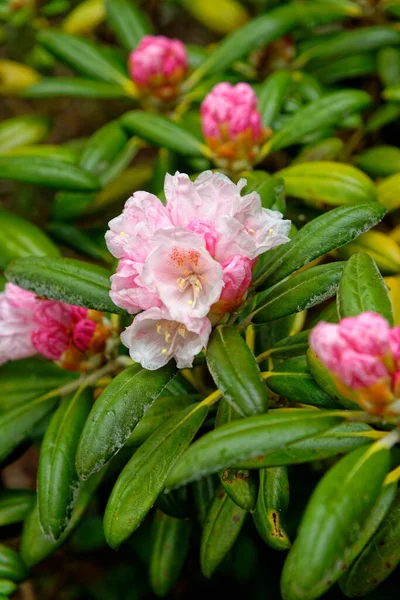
<point>192,280</point>
<point>171,336</point>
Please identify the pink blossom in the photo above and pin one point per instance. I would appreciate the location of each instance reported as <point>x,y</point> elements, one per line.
<point>51,341</point>
<point>158,66</point>
<point>77,312</point>
<point>155,337</point>
<point>16,323</point>
<point>185,276</point>
<point>360,370</point>
<point>19,298</point>
<point>367,333</point>
<point>128,291</point>
<point>328,344</point>
<point>82,334</point>
<point>394,342</point>
<point>236,277</point>
<point>51,312</point>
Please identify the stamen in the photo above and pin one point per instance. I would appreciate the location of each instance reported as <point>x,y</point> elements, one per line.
<point>270,231</point>
<point>251,231</point>
<point>164,351</point>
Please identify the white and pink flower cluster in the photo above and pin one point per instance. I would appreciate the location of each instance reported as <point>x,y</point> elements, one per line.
<point>31,325</point>
<point>187,262</point>
<point>158,66</point>
<point>363,353</point>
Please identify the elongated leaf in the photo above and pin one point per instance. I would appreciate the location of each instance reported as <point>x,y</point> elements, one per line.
<point>223,524</point>
<point>84,18</point>
<point>61,153</point>
<point>160,131</point>
<point>7,588</point>
<point>358,65</point>
<point>384,250</point>
<point>15,505</point>
<point>235,371</point>
<point>338,508</point>
<point>321,235</point>
<point>204,490</point>
<point>326,382</point>
<point>272,94</point>
<point>73,87</point>
<point>295,345</point>
<point>102,147</point>
<point>144,476</point>
<point>21,238</point>
<point>64,279</point>
<point>168,554</point>
<point>389,66</point>
<point>116,413</point>
<point>296,293</point>
<point>292,380</point>
<point>242,440</point>
<point>57,477</point>
<point>272,504</point>
<point>11,564</point>
<point>380,161</point>
<point>325,150</point>
<point>21,131</point>
<point>324,112</point>
<point>378,560</point>
<point>127,22</point>
<point>45,171</point>
<point>331,183</point>
<point>17,423</point>
<point>83,56</point>
<point>75,238</point>
<point>362,289</point>
<point>387,191</point>
<point>177,504</point>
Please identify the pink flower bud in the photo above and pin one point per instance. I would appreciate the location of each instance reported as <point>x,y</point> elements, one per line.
<point>394,342</point>
<point>77,313</point>
<point>51,341</point>
<point>327,343</point>
<point>50,313</point>
<point>236,277</point>
<point>367,333</point>
<point>158,66</point>
<point>360,370</point>
<point>82,334</point>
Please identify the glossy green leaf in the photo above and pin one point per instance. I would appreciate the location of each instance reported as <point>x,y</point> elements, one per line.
<point>127,22</point>
<point>60,153</point>
<point>272,504</point>
<point>17,423</point>
<point>47,172</point>
<point>384,250</point>
<point>168,553</point>
<point>351,67</point>
<point>331,183</point>
<point>321,235</point>
<point>57,478</point>
<point>116,413</point>
<point>378,560</point>
<point>102,148</point>
<point>292,346</point>
<point>15,505</point>
<point>292,380</point>
<point>73,87</point>
<point>385,113</point>
<point>324,112</point>
<point>64,279</point>
<point>239,441</point>
<point>271,95</point>
<point>160,131</point>
<point>389,66</point>
<point>392,93</point>
<point>144,476</point>
<point>204,490</point>
<point>223,524</point>
<point>235,371</point>
<point>35,546</point>
<point>380,161</point>
<point>7,588</point>
<point>362,289</point>
<point>325,150</point>
<point>296,293</point>
<point>338,508</point>
<point>387,191</point>
<point>11,564</point>
<point>21,238</point>
<point>77,239</point>
<point>22,131</point>
<point>177,504</point>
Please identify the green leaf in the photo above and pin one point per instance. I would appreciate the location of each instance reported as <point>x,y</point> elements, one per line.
<point>40,376</point>
<point>271,95</point>
<point>83,56</point>
<point>35,546</point>
<point>116,413</point>
<point>350,67</point>
<point>127,22</point>
<point>21,238</point>
<point>46,171</point>
<point>289,347</point>
<point>235,371</point>
<point>362,289</point>
<point>272,504</point>
<point>389,66</point>
<point>271,189</point>
<point>61,153</point>
<point>339,506</point>
<point>296,293</point>
<point>237,442</point>
<point>144,476</point>
<point>73,87</point>
<point>7,588</point>
<point>22,131</point>
<point>64,279</point>
<point>325,150</point>
<point>292,380</point>
<point>384,114</point>
<point>160,131</point>
<point>17,423</point>
<point>378,560</point>
<point>57,477</point>
<point>324,112</point>
<point>168,553</point>
<point>330,183</point>
<point>11,564</point>
<point>222,527</point>
<point>76,239</point>
<point>387,191</point>
<point>380,161</point>
<point>204,490</point>
<point>177,504</point>
<point>15,505</point>
<point>102,148</point>
<point>384,250</point>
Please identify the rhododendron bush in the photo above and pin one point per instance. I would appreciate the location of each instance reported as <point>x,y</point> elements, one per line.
<point>200,299</point>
